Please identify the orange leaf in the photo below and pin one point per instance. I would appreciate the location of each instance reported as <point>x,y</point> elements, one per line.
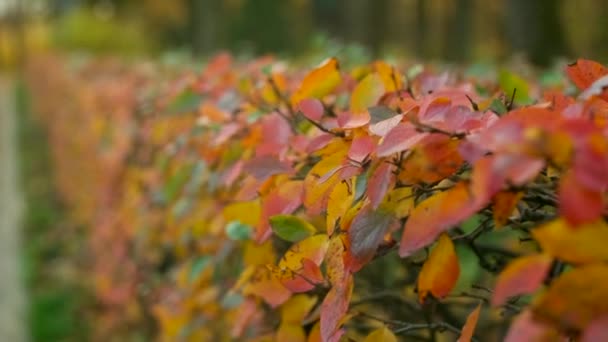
<point>265,285</point>
<point>576,298</point>
<point>469,326</point>
<point>522,276</point>
<point>435,215</point>
<point>319,82</point>
<point>505,203</point>
<point>335,261</point>
<point>440,271</point>
<point>584,72</point>
<point>583,244</point>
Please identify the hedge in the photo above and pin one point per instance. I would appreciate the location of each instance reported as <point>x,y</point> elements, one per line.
<point>255,201</point>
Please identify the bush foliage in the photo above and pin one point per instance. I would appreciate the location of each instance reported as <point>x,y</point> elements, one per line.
<point>258,202</point>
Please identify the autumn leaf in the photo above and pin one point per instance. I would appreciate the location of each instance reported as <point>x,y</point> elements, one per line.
<point>440,271</point>
<point>525,328</point>
<point>383,334</point>
<point>597,330</point>
<point>505,203</point>
<point>312,109</point>
<point>335,307</point>
<point>583,244</point>
<point>297,307</point>
<point>578,204</point>
<point>365,235</point>
<point>291,228</point>
<point>379,183</point>
<point>340,200</point>
<point>435,215</point>
<point>576,298</point>
<point>265,285</point>
<point>366,94</point>
<point>244,212</point>
<point>290,332</point>
<point>266,166</point>
<point>361,147</point>
<point>434,158</point>
<point>391,78</point>
<point>321,179</point>
<point>524,275</point>
<point>584,72</point>
<point>402,137</point>
<point>469,326</point>
<point>334,263</point>
<point>319,82</point>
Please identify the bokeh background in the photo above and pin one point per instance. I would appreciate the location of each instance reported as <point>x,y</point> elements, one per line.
<point>446,30</point>
<point>40,278</point>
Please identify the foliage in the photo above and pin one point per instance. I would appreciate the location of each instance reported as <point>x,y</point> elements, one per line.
<point>335,204</point>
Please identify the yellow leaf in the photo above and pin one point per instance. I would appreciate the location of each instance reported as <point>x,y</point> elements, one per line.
<point>244,212</point>
<point>319,82</point>
<point>290,332</point>
<point>399,201</point>
<point>381,335</point>
<point>583,244</point>
<point>366,93</point>
<point>312,248</point>
<point>340,199</point>
<point>256,254</point>
<point>391,79</point>
<point>297,307</point>
<point>440,271</point>
<point>320,180</point>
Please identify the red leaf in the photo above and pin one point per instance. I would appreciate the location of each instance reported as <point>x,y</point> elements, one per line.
<point>334,307</point>
<point>597,330</point>
<point>379,183</point>
<point>522,276</point>
<point>361,147</point>
<point>312,109</point>
<point>524,328</point>
<point>266,166</point>
<point>577,204</point>
<point>435,215</point>
<point>403,137</point>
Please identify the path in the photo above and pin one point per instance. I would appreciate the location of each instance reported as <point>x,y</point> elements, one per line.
<point>12,292</point>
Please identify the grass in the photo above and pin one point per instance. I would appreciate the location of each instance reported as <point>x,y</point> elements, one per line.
<point>57,300</point>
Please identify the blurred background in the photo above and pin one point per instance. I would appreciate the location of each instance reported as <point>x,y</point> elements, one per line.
<point>41,296</point>
<point>446,30</point>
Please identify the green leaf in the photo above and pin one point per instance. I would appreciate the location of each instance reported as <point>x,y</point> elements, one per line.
<point>510,82</point>
<point>198,266</point>
<point>185,102</point>
<point>380,113</point>
<point>237,231</point>
<point>291,228</point>
<point>498,107</point>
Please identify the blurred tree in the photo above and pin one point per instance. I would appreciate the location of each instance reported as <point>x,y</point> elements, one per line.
<point>458,31</point>
<point>261,26</point>
<point>205,21</point>
<point>534,27</point>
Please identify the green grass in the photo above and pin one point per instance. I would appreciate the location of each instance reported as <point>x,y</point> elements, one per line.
<point>57,301</point>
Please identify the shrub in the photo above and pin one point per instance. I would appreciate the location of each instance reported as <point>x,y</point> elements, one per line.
<point>254,201</point>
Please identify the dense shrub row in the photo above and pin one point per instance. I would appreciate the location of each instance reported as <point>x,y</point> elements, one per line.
<point>254,201</point>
